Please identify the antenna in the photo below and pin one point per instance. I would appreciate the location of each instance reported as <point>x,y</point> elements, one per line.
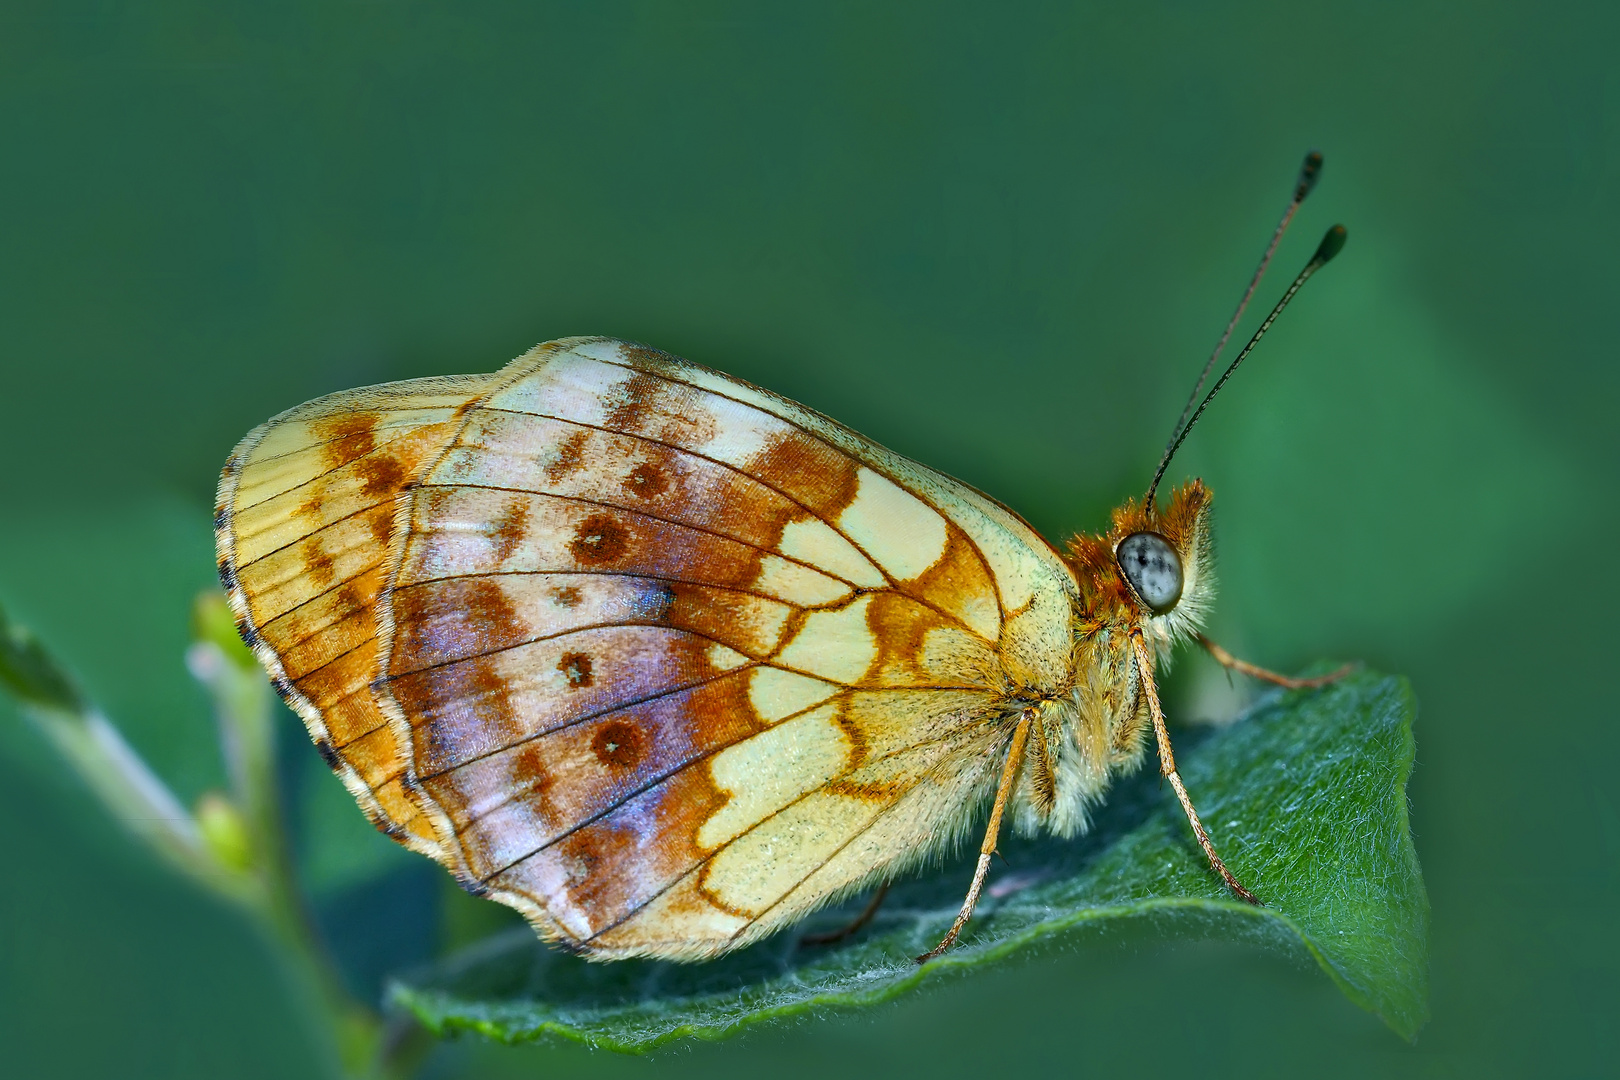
<point>1309,172</point>
<point>1331,245</point>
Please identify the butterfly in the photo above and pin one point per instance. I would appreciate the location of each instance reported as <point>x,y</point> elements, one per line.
<point>666,662</point>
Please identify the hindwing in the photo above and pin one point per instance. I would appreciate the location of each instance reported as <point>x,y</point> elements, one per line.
<point>302,527</point>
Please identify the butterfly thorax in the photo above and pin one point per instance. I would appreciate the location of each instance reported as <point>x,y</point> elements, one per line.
<point>1099,727</point>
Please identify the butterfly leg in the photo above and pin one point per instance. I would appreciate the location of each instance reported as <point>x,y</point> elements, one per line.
<point>1243,667</point>
<point>859,921</point>
<point>1167,766</point>
<point>1009,773</point>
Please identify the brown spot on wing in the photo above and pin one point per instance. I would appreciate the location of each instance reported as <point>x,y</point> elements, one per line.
<point>599,540</point>
<point>318,564</point>
<point>646,481</point>
<point>662,409</point>
<point>618,744</point>
<point>615,469</point>
<point>600,873</point>
<point>570,456</point>
<point>636,401</point>
<point>305,520</point>
<point>576,669</point>
<point>810,471</point>
<point>383,474</point>
<point>567,536</point>
<point>638,355</point>
<point>595,768</point>
<point>511,528</point>
<point>346,437</point>
<point>381,523</point>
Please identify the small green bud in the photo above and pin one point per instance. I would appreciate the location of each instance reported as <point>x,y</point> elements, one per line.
<point>224,831</point>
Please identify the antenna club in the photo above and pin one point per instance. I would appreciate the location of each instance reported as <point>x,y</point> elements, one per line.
<point>1309,173</point>
<point>1332,243</point>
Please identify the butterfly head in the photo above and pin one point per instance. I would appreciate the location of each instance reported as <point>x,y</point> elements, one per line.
<point>1154,568</point>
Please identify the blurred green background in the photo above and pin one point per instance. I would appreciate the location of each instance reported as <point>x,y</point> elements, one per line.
<point>1000,239</point>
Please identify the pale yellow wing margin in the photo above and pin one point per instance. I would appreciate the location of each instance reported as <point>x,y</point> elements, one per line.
<point>302,526</point>
<point>616,589</point>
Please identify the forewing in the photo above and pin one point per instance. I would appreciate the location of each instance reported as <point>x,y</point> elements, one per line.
<point>302,527</point>
<point>677,660</point>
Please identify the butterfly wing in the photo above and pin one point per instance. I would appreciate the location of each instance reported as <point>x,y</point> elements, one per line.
<point>302,526</point>
<point>677,660</point>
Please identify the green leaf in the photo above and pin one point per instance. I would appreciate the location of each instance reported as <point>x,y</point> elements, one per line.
<point>30,674</point>
<point>1306,799</point>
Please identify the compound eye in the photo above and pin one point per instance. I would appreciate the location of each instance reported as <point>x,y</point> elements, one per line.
<point>1153,568</point>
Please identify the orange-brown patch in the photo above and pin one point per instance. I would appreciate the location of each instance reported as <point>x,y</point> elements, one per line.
<point>570,456</point>
<point>339,689</point>
<point>645,356</point>
<point>314,507</point>
<point>858,746</point>
<point>381,523</point>
<point>375,756</point>
<point>317,563</point>
<point>440,672</point>
<point>599,540</point>
<point>957,579</point>
<point>341,605</point>
<point>576,669</point>
<point>635,402</point>
<point>346,437</point>
<point>381,474</point>
<point>877,791</point>
<point>441,622</point>
<point>738,619</point>
<point>510,530</point>
<point>646,481</point>
<point>529,767</point>
<point>662,409</point>
<point>567,596</point>
<point>899,624</point>
<point>620,862</point>
<point>618,744</point>
<point>809,470</point>
<point>327,639</point>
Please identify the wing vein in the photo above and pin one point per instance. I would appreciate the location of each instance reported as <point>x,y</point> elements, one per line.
<point>313,532</point>
<point>585,719</point>
<point>893,585</point>
<point>654,783</point>
<point>394,675</point>
<point>649,785</point>
<point>641,514</point>
<point>637,575</point>
<point>830,422</point>
<point>701,863</point>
